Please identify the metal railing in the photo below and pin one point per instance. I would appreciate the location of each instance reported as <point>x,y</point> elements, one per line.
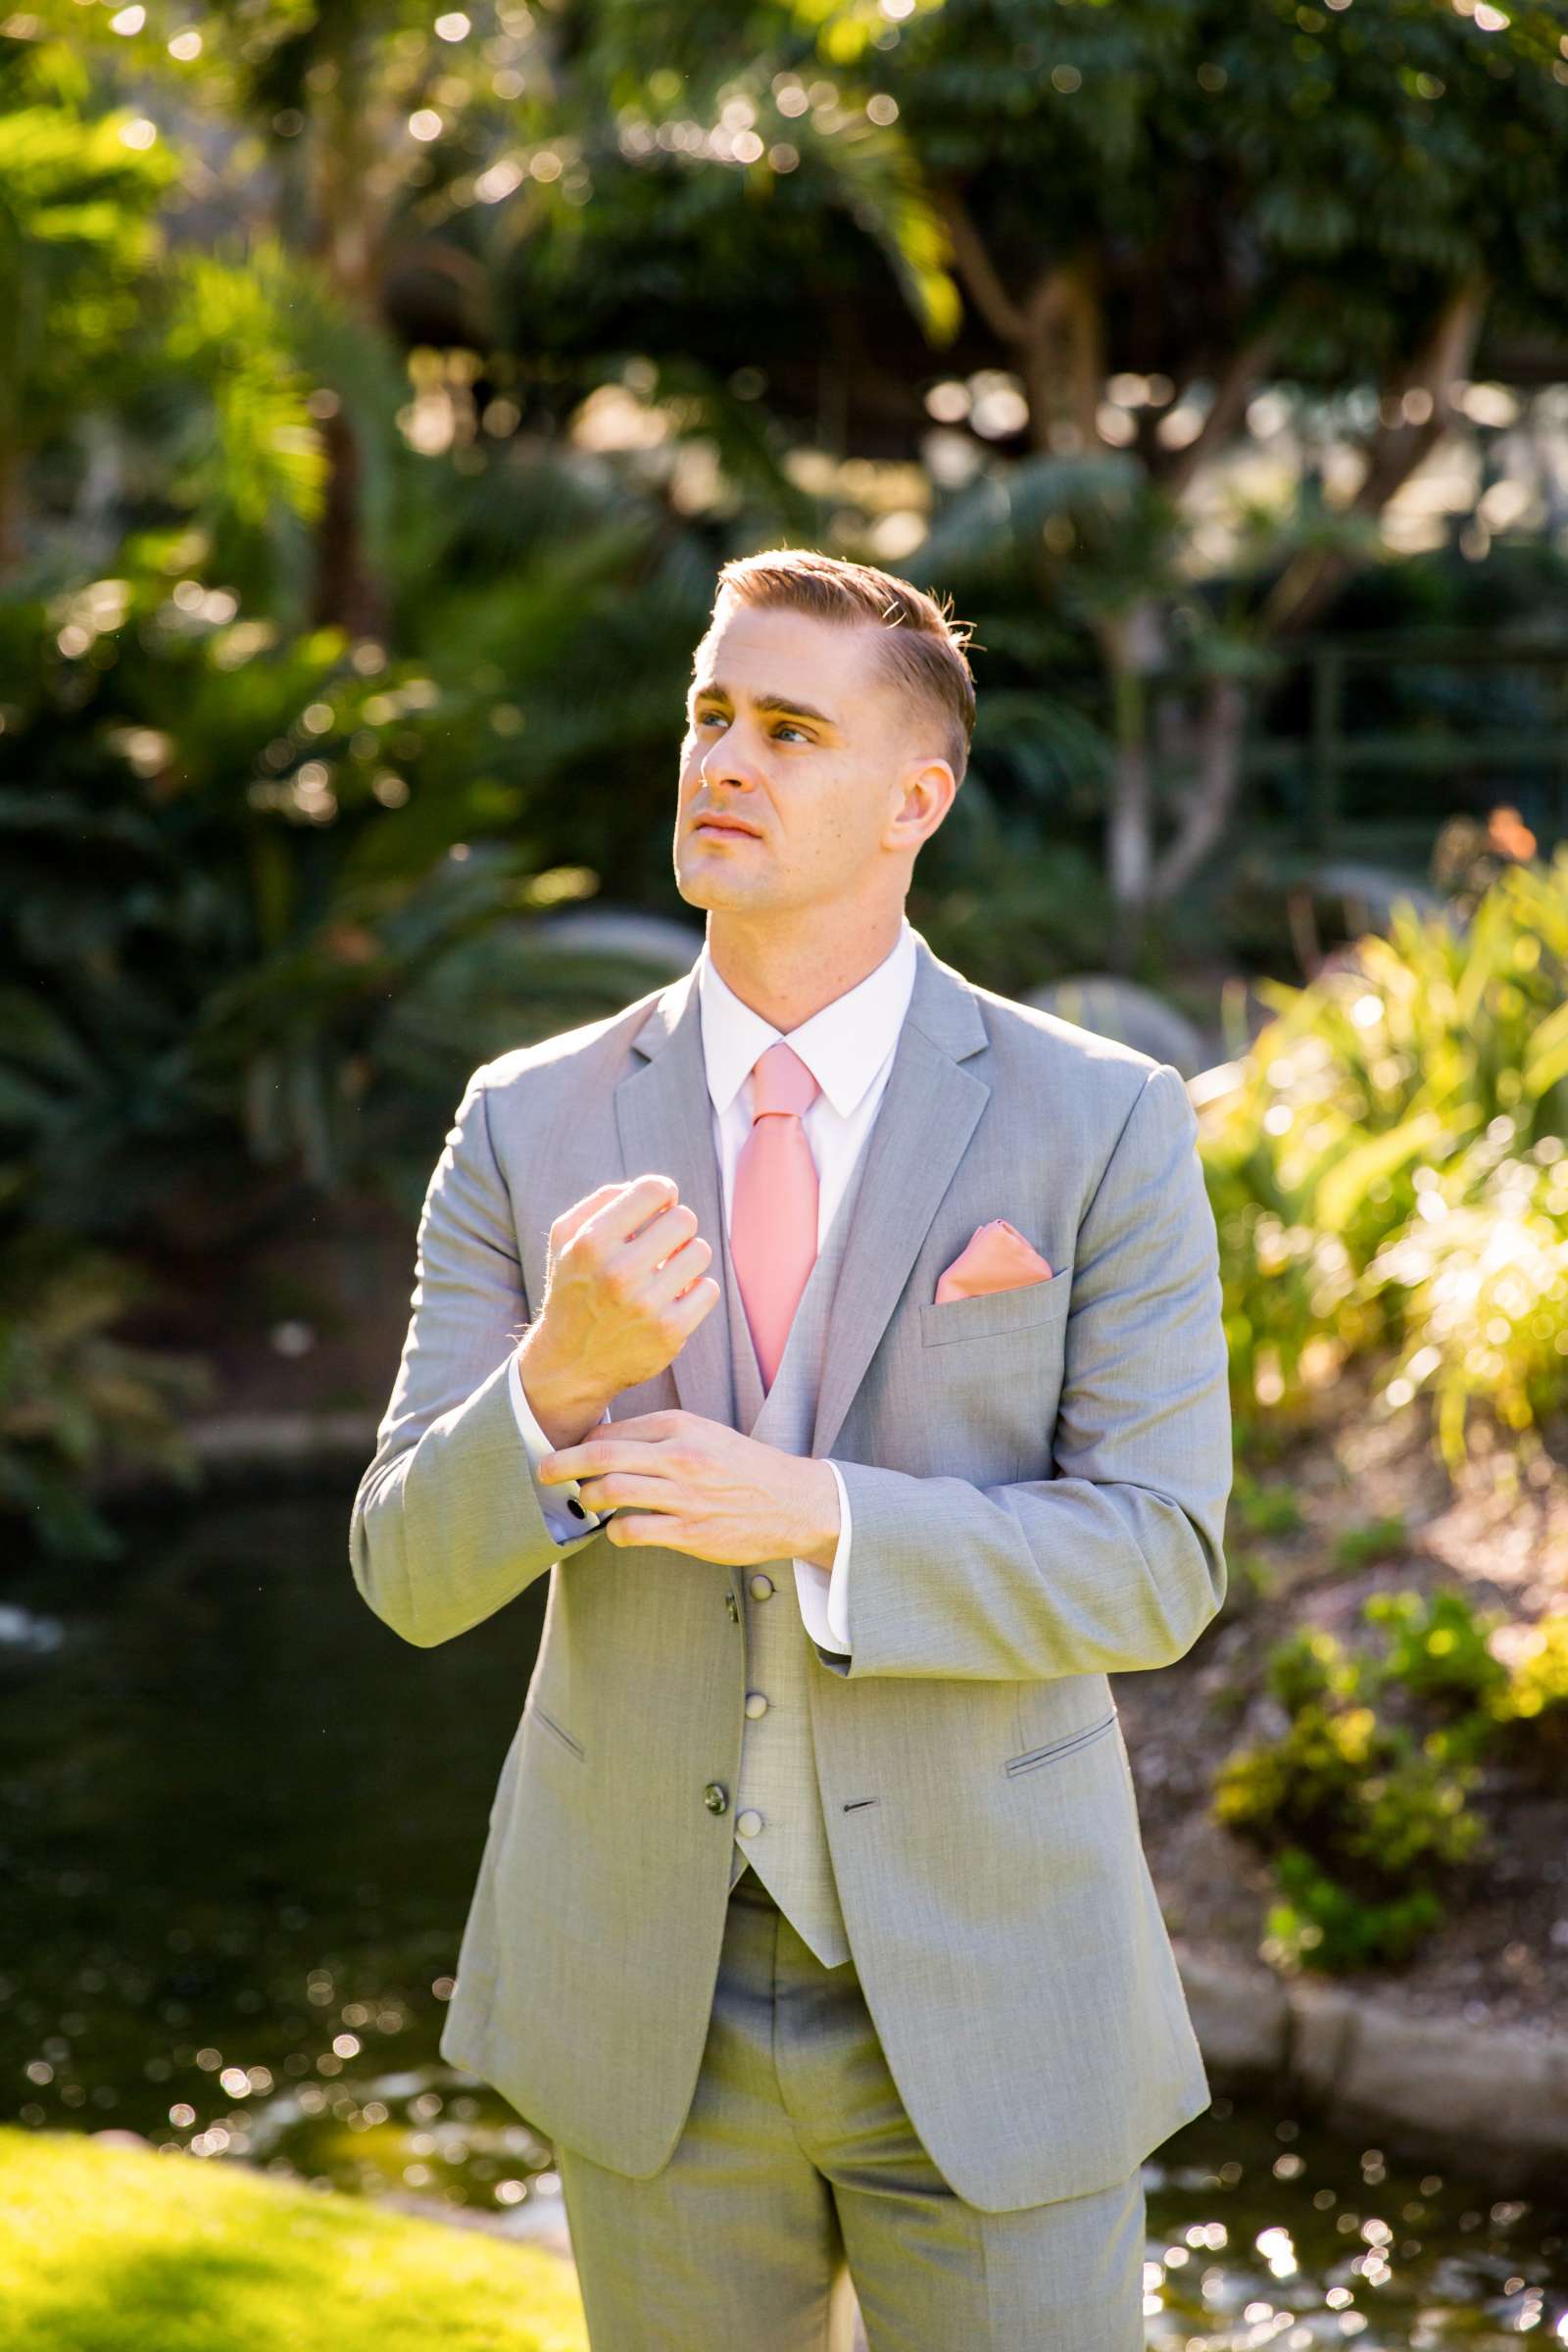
<point>1530,765</point>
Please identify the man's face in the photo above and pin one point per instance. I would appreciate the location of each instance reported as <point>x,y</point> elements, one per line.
<point>792,730</point>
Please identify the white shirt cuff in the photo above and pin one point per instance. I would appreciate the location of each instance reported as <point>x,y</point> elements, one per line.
<point>824,1593</point>
<point>564,1524</point>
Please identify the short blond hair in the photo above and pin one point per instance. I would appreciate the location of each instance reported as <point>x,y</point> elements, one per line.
<point>921,647</point>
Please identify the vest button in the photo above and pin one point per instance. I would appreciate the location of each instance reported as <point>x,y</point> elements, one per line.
<point>756,1703</point>
<point>716,1796</point>
<point>747,1823</point>
<point>761,1586</point>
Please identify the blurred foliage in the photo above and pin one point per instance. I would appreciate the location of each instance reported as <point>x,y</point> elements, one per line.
<point>1437,1646</point>
<point>1318,1923</point>
<point>74,1398</point>
<point>1391,1172</point>
<point>1362,1800</point>
<point>1379,1540</point>
<point>383,389</point>
<point>1265,1510</point>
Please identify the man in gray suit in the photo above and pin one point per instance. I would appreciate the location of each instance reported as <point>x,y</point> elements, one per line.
<point>864,1400</point>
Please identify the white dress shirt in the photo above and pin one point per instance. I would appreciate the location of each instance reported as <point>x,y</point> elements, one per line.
<point>849,1047</point>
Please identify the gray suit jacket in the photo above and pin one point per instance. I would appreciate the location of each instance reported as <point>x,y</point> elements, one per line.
<point>1038,1481</point>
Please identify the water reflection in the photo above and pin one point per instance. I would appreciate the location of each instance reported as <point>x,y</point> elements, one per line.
<point>239,1824</point>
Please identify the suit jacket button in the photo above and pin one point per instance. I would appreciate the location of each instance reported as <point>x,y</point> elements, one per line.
<point>761,1586</point>
<point>716,1796</point>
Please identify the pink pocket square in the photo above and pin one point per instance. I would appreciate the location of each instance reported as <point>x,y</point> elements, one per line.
<point>996,1259</point>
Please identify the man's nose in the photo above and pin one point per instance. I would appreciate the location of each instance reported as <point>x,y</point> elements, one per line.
<point>726,762</point>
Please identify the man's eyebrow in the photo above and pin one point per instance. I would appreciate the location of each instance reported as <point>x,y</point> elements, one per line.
<point>789,703</point>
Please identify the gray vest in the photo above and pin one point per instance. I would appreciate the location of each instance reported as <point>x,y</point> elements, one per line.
<point>789,1851</point>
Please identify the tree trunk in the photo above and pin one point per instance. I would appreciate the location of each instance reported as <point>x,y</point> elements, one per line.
<point>347,595</point>
<point>1204,808</point>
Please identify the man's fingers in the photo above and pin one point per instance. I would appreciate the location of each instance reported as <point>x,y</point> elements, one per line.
<point>645,1197</point>
<point>625,1490</point>
<point>658,1530</point>
<point>572,1221</point>
<point>598,1454</point>
<point>634,1204</point>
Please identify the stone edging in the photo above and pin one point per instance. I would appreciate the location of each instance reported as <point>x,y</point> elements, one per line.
<point>1437,2083</point>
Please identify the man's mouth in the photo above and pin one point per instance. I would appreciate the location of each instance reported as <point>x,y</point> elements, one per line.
<point>721,824</point>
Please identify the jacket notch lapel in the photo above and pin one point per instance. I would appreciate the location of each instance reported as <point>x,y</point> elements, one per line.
<point>928,1112</point>
<point>664,1118</point>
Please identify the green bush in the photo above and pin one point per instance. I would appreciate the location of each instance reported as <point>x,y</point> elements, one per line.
<point>1390,1178</point>
<point>1437,1646</point>
<point>1379,1540</point>
<point>1537,1681</point>
<point>1319,1925</point>
<point>1530,1711</point>
<point>73,1398</point>
<point>1310,1667</point>
<point>1365,1818</point>
<point>1354,1790</point>
<point>1265,1510</point>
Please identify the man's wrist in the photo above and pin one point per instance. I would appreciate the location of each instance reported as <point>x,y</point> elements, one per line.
<point>823,1534</point>
<point>564,1408</point>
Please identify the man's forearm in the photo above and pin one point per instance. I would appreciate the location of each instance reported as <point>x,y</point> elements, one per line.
<point>563,1407</point>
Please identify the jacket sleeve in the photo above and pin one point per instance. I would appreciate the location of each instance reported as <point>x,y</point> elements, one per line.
<point>1117,1560</point>
<point>447,1524</point>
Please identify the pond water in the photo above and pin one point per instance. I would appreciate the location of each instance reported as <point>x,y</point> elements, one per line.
<point>239,1824</point>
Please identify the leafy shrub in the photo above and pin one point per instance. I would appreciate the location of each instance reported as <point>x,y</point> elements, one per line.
<point>1437,1646</point>
<point>1319,1925</point>
<point>1309,1666</point>
<point>1390,1177</point>
<point>1530,1711</point>
<point>1379,1540</point>
<point>1365,1817</point>
<point>1537,1682</point>
<point>71,1396</point>
<point>1265,1510</point>
<point>1353,1791</point>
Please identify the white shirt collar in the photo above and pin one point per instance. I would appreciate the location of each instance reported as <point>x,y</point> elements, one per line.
<point>843,1045</point>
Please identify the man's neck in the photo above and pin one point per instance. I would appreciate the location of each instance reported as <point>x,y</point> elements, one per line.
<point>787,976</point>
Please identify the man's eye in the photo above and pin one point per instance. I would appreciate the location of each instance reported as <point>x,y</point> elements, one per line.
<point>786,726</point>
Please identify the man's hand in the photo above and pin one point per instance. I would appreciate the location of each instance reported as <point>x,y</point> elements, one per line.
<point>691,1484</point>
<point>624,1289</point>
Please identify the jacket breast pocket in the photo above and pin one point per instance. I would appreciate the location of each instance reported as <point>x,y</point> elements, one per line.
<point>996,1314</point>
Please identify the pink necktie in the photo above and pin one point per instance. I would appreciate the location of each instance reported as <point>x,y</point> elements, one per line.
<point>773,1227</point>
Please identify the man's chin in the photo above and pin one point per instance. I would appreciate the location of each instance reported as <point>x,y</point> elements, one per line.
<point>712,890</point>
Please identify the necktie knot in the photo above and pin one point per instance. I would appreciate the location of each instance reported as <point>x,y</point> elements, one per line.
<point>781,1081</point>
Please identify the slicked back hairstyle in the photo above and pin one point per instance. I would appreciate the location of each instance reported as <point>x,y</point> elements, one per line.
<point>921,647</point>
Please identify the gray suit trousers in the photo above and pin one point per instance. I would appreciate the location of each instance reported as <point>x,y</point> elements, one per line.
<point>798,2186</point>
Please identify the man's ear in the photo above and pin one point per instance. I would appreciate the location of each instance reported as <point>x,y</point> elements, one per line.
<point>926,789</point>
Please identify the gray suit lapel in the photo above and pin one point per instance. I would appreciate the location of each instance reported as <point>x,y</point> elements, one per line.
<point>665,1118</point>
<point>929,1109</point>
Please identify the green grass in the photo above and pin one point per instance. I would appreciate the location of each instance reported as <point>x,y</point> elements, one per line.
<point>108,2249</point>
